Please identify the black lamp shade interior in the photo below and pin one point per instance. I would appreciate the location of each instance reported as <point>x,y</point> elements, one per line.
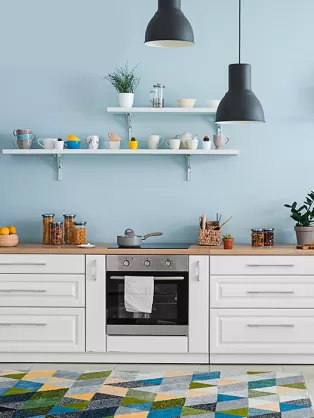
<point>169,28</point>
<point>240,105</point>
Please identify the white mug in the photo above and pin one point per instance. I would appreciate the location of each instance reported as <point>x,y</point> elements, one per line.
<point>113,144</point>
<point>173,143</point>
<point>92,141</point>
<point>220,141</point>
<point>155,141</point>
<point>59,145</point>
<point>191,143</point>
<point>47,143</point>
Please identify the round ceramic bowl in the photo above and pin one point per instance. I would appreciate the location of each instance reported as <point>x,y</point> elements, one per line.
<point>9,240</point>
<point>187,103</point>
<point>213,104</point>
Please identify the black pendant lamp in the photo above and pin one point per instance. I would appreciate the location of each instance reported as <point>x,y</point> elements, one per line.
<point>169,28</point>
<point>240,105</point>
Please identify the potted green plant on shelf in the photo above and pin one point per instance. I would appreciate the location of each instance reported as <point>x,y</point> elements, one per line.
<point>125,82</point>
<point>304,217</point>
<point>228,242</point>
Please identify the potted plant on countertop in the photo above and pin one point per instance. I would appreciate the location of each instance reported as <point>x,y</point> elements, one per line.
<point>125,82</point>
<point>228,242</point>
<point>304,217</point>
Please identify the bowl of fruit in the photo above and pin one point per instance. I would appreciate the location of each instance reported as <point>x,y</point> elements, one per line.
<point>8,237</point>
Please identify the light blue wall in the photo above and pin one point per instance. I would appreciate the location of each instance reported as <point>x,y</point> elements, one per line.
<point>53,55</point>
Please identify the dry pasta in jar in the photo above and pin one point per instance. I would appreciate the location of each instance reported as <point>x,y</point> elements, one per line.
<point>79,233</point>
<point>68,226</point>
<point>47,219</point>
<point>257,237</point>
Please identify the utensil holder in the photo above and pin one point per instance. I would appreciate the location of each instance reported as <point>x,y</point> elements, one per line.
<point>209,235</point>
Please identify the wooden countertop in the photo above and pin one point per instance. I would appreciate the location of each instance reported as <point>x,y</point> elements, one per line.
<point>102,249</point>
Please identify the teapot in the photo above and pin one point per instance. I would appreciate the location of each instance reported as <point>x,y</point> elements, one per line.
<point>185,136</point>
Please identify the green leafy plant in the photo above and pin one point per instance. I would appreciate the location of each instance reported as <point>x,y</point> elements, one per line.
<point>227,236</point>
<point>124,80</point>
<point>133,139</point>
<point>304,215</point>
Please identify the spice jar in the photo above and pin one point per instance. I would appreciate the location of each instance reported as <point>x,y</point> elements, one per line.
<point>56,235</point>
<point>47,218</point>
<point>68,225</point>
<point>79,233</point>
<point>269,237</point>
<point>257,237</point>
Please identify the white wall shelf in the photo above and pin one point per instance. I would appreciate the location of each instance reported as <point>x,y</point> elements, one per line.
<point>130,111</point>
<point>60,153</point>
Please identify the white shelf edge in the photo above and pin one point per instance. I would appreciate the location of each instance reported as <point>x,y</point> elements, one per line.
<point>131,110</point>
<point>118,152</point>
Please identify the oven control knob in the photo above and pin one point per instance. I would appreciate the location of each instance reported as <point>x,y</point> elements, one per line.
<point>168,263</point>
<point>147,263</point>
<point>126,263</point>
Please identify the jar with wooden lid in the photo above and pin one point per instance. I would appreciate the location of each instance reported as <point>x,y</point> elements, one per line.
<point>257,237</point>
<point>47,218</point>
<point>79,233</point>
<point>68,226</point>
<point>56,233</point>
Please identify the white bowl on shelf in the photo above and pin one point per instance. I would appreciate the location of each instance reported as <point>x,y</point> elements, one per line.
<point>213,104</point>
<point>186,103</point>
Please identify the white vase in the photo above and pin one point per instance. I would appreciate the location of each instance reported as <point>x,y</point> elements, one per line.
<point>126,99</point>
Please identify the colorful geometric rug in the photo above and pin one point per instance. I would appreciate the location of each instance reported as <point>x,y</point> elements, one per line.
<point>69,394</point>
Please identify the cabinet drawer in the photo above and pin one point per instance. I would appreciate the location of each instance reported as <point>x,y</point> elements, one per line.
<point>42,263</point>
<point>258,331</point>
<point>263,265</point>
<point>42,330</point>
<point>142,344</point>
<point>42,290</point>
<point>262,292</point>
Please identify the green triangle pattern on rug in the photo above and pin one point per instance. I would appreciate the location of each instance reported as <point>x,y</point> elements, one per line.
<point>134,394</point>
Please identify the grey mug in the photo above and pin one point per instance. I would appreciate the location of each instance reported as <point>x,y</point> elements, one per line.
<point>23,143</point>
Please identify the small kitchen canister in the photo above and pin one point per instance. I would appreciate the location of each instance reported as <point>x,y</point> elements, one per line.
<point>79,233</point>
<point>56,233</point>
<point>269,237</point>
<point>47,219</point>
<point>257,237</point>
<point>68,226</point>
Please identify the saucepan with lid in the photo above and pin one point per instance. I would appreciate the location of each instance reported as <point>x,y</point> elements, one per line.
<point>130,240</point>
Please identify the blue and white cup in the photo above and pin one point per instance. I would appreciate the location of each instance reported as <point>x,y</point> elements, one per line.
<point>26,137</point>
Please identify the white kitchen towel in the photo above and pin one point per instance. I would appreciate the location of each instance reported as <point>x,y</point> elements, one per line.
<point>138,293</point>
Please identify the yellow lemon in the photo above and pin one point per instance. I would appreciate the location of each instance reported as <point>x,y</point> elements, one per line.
<point>73,138</point>
<point>12,229</point>
<point>4,231</point>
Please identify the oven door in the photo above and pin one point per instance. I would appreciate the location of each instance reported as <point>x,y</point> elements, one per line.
<point>169,312</point>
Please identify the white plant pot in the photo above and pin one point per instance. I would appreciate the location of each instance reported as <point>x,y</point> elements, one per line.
<point>126,99</point>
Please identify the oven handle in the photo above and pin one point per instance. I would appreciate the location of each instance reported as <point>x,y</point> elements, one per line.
<point>155,278</point>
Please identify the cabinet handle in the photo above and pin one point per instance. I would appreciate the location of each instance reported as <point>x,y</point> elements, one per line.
<point>94,268</point>
<point>270,265</point>
<point>22,324</point>
<point>23,264</point>
<point>165,278</point>
<point>23,290</point>
<point>279,292</point>
<point>198,264</point>
<point>271,325</point>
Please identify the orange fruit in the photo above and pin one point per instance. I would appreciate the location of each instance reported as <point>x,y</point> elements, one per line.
<point>4,231</point>
<point>12,229</point>
<point>73,138</point>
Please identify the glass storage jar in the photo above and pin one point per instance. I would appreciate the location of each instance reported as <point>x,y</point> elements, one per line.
<point>269,237</point>
<point>79,233</point>
<point>47,218</point>
<point>68,226</point>
<point>56,236</point>
<point>257,237</point>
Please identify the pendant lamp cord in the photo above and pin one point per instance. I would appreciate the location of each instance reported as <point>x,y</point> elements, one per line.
<point>240,31</point>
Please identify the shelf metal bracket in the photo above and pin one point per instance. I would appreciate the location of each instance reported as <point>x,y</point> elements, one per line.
<point>59,158</point>
<point>130,125</point>
<point>218,129</point>
<point>188,167</point>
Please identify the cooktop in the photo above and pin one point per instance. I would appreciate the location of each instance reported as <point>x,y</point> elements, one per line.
<point>157,246</point>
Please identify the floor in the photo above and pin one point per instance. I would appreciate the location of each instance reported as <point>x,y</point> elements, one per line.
<point>308,371</point>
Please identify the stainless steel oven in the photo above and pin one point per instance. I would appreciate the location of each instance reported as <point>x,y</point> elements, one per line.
<point>171,289</point>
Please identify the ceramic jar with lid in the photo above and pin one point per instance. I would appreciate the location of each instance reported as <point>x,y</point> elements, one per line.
<point>79,233</point>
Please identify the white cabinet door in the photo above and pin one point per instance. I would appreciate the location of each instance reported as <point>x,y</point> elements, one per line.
<point>96,303</point>
<point>199,304</point>
<point>38,330</point>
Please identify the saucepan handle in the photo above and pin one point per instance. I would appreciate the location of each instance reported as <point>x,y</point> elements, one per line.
<point>153,234</point>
